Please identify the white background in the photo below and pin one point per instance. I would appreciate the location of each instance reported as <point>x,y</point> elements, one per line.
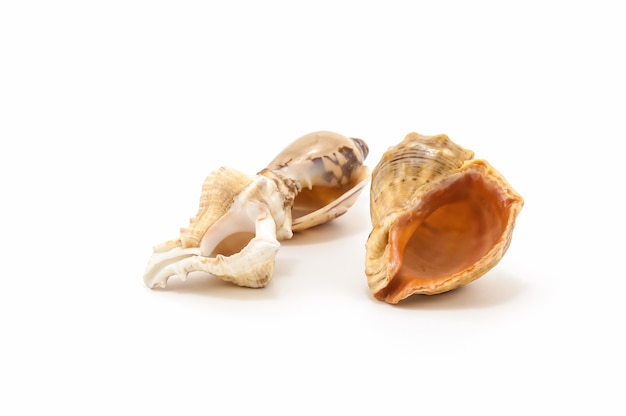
<point>112,113</point>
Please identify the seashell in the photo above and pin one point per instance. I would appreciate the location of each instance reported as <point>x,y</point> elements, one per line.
<point>234,235</point>
<point>236,231</point>
<point>329,168</point>
<point>440,218</point>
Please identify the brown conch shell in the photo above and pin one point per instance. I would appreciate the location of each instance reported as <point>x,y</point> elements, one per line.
<point>441,219</point>
<point>241,219</point>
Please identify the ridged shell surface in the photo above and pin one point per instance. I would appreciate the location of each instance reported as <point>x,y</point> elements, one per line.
<point>234,235</point>
<point>414,163</point>
<point>218,193</point>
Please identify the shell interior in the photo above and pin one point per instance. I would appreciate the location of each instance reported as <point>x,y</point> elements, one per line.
<point>321,203</point>
<point>441,219</point>
<point>455,226</point>
<point>231,244</point>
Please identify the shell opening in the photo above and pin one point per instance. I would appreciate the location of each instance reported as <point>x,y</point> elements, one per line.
<point>318,197</point>
<point>232,244</point>
<point>229,234</point>
<point>452,229</point>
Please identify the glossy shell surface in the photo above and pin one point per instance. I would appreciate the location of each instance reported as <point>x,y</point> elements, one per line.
<point>329,167</point>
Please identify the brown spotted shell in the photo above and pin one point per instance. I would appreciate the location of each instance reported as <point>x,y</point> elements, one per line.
<point>329,167</point>
<point>440,218</point>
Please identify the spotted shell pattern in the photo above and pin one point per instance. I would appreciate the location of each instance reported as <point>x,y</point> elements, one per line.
<point>330,169</point>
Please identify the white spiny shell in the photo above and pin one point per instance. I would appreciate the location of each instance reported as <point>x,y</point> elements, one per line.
<point>234,237</point>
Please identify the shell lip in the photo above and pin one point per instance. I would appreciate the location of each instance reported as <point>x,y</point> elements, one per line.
<point>335,208</point>
<point>459,224</point>
<point>250,265</point>
<point>475,195</point>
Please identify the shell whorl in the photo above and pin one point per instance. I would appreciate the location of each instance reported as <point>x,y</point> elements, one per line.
<point>218,192</point>
<point>415,162</point>
<point>321,159</point>
<point>362,147</point>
